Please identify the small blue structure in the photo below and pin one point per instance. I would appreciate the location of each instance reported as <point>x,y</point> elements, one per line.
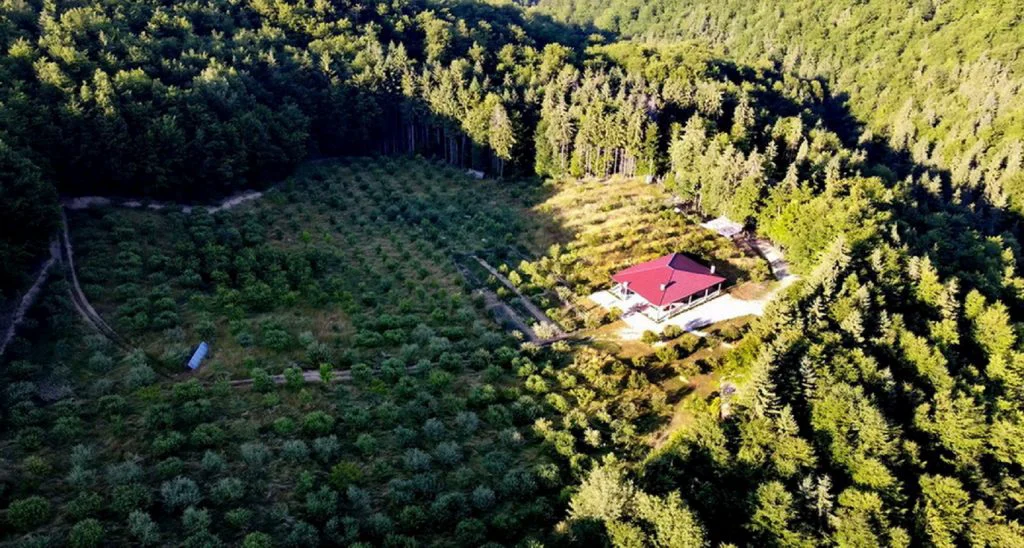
<point>197,358</point>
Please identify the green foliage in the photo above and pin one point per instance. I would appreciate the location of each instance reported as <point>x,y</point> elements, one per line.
<point>257,540</point>
<point>26,199</point>
<point>344,474</point>
<point>87,533</point>
<point>143,529</point>
<point>875,403</point>
<point>28,513</point>
<point>180,493</point>
<point>607,496</point>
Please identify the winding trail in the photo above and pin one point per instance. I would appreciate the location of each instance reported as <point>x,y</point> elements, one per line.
<point>67,256</point>
<point>29,298</point>
<point>88,202</point>
<point>78,298</point>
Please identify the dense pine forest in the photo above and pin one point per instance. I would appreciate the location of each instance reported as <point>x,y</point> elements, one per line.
<point>404,346</point>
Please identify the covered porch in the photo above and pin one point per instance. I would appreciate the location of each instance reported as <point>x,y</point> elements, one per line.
<point>632,303</point>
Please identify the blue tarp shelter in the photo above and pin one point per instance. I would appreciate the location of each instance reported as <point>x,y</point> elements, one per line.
<point>197,358</point>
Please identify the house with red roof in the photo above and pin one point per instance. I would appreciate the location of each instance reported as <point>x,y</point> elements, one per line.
<point>667,285</point>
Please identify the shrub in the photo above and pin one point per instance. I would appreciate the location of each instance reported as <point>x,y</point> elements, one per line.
<point>295,450</point>
<point>167,443</point>
<point>293,379</point>
<point>361,374</point>
<point>466,423</point>
<point>128,498</point>
<point>30,439</point>
<point>180,492</point>
<point>687,369</point>
<point>261,381</point>
<point>412,518</point>
<point>448,453</point>
<point>86,504</point>
<point>470,532</point>
<point>650,337</point>
<point>255,455</point>
<point>284,426</point>
<point>139,376</point>
<point>689,342</point>
<point>21,391</point>
<point>483,498</point>
<point>326,373</point>
<point>404,436</point>
<point>318,352</point>
<point>113,404</point>
<point>143,528</point>
<point>380,524</point>
<point>366,444</point>
<point>434,429</point>
<point>28,513</point>
<point>730,333</point>
<point>170,468</point>
<point>257,540</point>
<point>124,473</point>
<point>212,462</point>
<point>667,354</point>
<point>81,477</point>
<point>228,490</point>
<point>36,466</point>
<point>416,460</point>
<point>302,535</point>
<point>207,435</point>
<point>671,331</point>
<point>195,520</point>
<point>344,474</point>
<point>327,448</point>
<point>86,534</point>
<point>66,429</point>
<point>100,363</point>
<point>317,423</point>
<point>321,504</point>
<point>81,455</point>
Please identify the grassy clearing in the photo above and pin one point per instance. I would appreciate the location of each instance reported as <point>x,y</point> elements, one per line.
<point>347,264</point>
<point>341,262</point>
<point>614,224</point>
<point>356,265</point>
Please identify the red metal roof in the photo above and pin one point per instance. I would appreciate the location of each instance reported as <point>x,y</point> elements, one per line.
<point>668,279</point>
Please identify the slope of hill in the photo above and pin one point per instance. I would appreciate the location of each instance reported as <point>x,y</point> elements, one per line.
<point>938,81</point>
<point>876,402</point>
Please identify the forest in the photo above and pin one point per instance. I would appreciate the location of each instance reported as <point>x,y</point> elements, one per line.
<point>372,379</point>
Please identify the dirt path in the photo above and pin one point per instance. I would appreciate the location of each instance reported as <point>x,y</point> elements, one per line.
<point>81,303</point>
<point>29,298</point>
<point>537,313</point>
<point>87,202</point>
<point>78,298</point>
<point>308,376</point>
<point>312,376</point>
<point>776,260</point>
<point>493,302</point>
